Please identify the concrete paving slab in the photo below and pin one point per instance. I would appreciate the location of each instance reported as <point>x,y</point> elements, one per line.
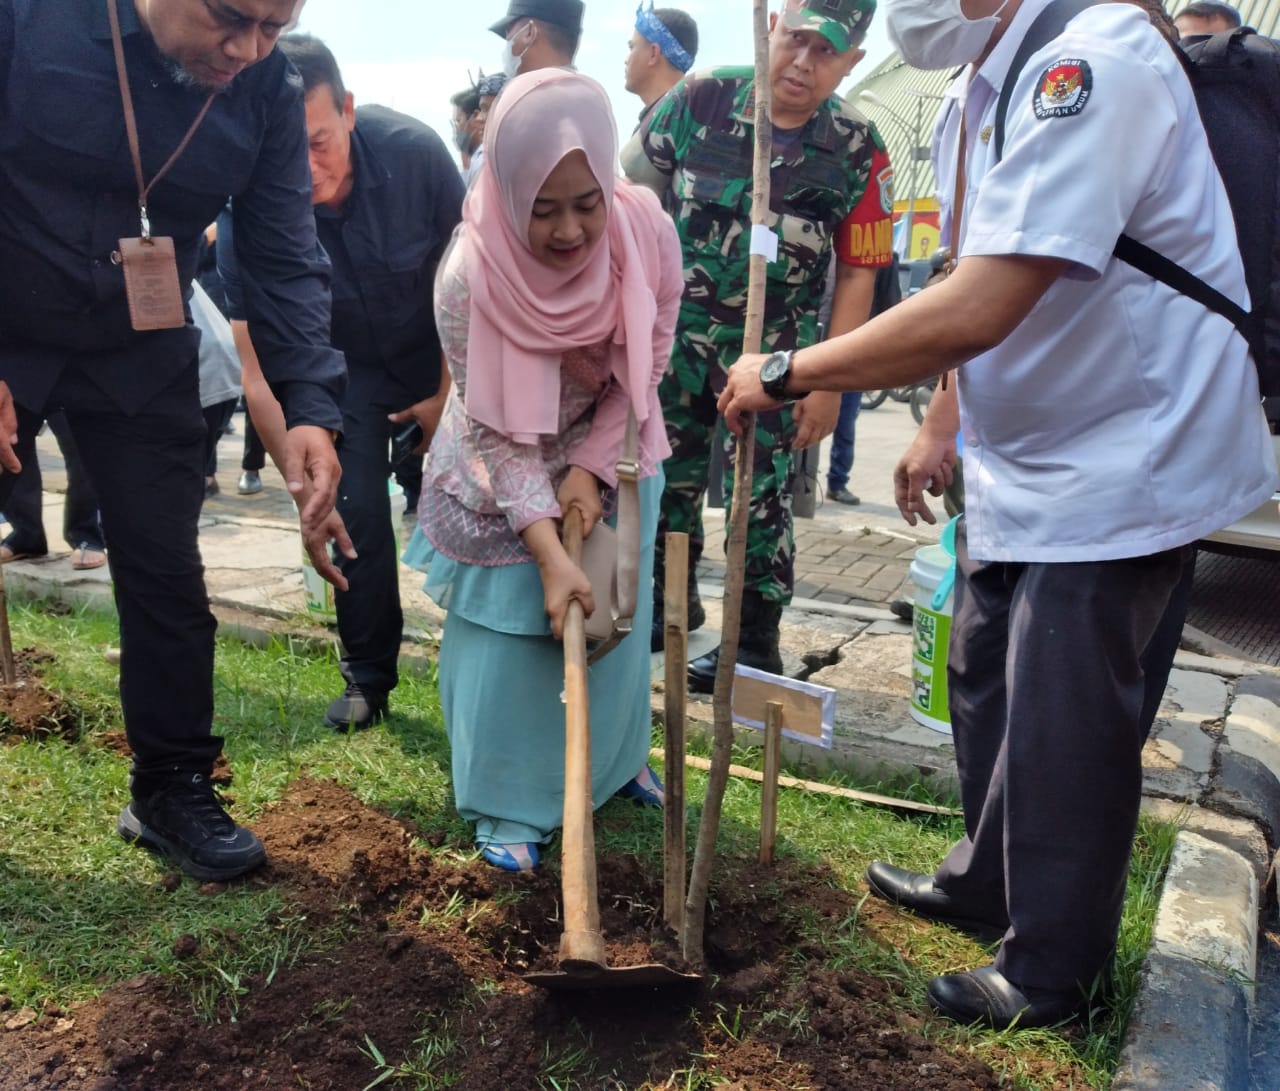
<point>1178,758</point>
<point>1244,786</point>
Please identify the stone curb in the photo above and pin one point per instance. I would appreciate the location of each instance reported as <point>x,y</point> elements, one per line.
<point>1191,1021</point>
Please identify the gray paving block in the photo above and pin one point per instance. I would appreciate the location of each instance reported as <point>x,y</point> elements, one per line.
<point>1242,785</point>
<point>1266,686</point>
<point>1189,1030</point>
<point>1179,740</point>
<point>1253,726</point>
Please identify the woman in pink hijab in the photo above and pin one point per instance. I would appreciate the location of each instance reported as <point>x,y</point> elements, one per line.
<point>556,307</point>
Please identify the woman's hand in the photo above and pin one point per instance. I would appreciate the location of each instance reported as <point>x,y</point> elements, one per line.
<point>562,582</point>
<point>581,489</point>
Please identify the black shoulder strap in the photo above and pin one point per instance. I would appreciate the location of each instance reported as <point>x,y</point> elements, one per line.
<point>1047,25</point>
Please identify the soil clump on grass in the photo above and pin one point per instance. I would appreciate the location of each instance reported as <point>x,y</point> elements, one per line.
<point>28,710</point>
<point>416,958</point>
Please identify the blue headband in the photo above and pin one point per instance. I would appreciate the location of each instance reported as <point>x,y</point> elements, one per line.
<point>655,30</point>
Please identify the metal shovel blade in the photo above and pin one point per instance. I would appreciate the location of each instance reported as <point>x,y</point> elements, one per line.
<point>594,976</point>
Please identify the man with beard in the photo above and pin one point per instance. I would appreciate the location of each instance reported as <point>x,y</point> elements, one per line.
<point>98,243</point>
<point>1109,422</point>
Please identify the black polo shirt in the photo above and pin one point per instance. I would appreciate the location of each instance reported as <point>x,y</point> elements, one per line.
<point>385,243</point>
<point>68,193</point>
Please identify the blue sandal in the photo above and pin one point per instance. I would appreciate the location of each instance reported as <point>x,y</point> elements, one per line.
<point>644,788</point>
<point>522,856</point>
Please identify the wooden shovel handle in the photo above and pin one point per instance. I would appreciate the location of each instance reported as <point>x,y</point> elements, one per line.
<point>581,944</point>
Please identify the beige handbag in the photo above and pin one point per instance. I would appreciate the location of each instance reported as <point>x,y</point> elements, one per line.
<point>611,556</point>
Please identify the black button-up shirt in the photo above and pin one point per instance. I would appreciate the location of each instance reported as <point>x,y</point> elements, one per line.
<point>68,194</point>
<point>385,243</point>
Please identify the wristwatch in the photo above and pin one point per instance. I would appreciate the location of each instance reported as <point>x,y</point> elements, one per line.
<point>774,374</point>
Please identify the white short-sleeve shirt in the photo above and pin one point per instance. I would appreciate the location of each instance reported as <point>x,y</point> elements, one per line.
<point>1120,418</point>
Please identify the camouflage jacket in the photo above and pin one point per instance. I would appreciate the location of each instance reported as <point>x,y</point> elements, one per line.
<point>696,151</point>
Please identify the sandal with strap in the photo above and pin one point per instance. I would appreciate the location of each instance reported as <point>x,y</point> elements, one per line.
<point>522,856</point>
<point>644,788</point>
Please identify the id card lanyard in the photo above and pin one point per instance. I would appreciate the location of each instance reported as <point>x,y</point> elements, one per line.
<point>149,262</point>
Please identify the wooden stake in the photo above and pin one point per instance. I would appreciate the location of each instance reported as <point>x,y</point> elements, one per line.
<point>736,548</point>
<point>8,671</point>
<point>769,791</point>
<point>676,625</point>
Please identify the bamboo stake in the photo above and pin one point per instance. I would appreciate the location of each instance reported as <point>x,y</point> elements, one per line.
<point>735,553</point>
<point>769,793</point>
<point>676,624</point>
<point>830,789</point>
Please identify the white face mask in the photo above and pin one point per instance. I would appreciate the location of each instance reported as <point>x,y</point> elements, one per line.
<point>510,58</point>
<point>934,34</point>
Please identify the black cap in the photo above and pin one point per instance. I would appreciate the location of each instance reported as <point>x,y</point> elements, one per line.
<point>561,13</point>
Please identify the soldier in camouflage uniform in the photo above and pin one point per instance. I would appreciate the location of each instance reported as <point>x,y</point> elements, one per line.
<point>830,188</point>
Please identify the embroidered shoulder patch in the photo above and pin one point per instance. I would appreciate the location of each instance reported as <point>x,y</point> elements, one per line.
<point>1063,88</point>
<point>885,181</point>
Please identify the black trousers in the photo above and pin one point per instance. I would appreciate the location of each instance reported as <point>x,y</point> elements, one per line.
<point>1056,673</point>
<point>149,473</point>
<point>370,622</point>
<point>25,506</point>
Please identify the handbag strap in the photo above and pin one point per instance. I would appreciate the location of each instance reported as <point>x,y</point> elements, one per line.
<point>626,583</point>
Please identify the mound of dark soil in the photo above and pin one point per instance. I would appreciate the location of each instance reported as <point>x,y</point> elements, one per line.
<point>434,950</point>
<point>30,711</point>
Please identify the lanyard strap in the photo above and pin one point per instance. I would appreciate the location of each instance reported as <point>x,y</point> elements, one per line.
<point>131,122</point>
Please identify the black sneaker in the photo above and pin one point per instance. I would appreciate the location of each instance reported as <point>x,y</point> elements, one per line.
<point>356,709</point>
<point>185,821</point>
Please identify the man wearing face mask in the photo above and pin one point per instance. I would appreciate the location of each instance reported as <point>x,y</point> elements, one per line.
<point>1109,422</point>
<point>539,34</point>
<point>829,191</point>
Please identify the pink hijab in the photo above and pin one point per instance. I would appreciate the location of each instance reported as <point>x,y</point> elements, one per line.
<point>524,314</point>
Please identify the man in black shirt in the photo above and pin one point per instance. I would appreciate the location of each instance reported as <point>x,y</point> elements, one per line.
<point>69,339</point>
<point>387,197</point>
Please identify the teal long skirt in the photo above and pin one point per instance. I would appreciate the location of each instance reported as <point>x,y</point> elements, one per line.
<point>501,681</point>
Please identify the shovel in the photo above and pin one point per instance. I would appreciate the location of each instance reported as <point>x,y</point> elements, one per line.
<point>582,959</point>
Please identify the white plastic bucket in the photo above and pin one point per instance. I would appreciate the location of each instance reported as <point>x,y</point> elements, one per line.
<point>931,632</point>
<point>317,592</point>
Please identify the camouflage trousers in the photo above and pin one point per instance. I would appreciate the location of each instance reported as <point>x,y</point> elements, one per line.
<point>692,426</point>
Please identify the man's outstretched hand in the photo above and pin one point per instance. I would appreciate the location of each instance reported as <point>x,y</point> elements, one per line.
<point>312,473</point>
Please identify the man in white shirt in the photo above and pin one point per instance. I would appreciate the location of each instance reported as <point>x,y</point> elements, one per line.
<point>1108,421</point>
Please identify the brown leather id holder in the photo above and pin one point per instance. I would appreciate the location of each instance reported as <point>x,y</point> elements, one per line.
<point>151,283</point>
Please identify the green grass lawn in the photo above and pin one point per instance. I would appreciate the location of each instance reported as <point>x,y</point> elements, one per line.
<point>80,911</point>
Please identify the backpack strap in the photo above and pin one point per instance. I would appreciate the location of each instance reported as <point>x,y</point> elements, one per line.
<point>1045,28</point>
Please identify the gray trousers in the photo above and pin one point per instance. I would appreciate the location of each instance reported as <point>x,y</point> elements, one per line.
<point>1056,672</point>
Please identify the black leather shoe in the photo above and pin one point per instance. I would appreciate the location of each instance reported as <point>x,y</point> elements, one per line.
<point>184,820</point>
<point>903,608</point>
<point>916,892</point>
<point>356,709</point>
<point>985,995</point>
<point>702,671</point>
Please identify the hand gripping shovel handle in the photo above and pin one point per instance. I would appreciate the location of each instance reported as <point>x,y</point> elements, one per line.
<point>581,944</point>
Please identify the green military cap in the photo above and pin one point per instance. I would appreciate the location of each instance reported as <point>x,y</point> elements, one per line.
<point>842,22</point>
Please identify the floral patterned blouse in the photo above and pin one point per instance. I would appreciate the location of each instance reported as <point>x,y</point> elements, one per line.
<point>480,487</point>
